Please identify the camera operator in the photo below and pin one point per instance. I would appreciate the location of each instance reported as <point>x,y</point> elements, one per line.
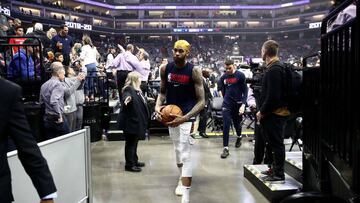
<point>253,102</point>
<point>273,112</point>
<point>259,147</point>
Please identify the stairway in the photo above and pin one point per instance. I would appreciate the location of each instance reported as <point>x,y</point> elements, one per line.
<point>293,165</point>
<point>113,133</point>
<point>276,192</point>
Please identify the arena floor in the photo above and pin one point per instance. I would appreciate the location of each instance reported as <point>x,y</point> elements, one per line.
<point>215,180</point>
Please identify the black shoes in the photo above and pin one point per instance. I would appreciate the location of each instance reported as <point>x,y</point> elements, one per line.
<point>133,169</point>
<point>225,153</point>
<point>238,142</point>
<point>204,135</point>
<point>140,164</point>
<point>268,172</point>
<point>274,179</point>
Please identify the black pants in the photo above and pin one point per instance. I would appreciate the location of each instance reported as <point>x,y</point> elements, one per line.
<point>231,115</point>
<point>66,61</point>
<point>203,119</point>
<point>53,129</point>
<point>121,76</point>
<point>273,126</point>
<point>131,143</point>
<point>260,147</point>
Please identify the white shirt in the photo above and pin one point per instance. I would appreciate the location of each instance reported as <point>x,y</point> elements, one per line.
<point>88,54</point>
<point>109,59</point>
<point>30,30</point>
<point>145,71</point>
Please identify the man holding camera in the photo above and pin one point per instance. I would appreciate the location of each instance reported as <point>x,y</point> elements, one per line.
<point>273,110</point>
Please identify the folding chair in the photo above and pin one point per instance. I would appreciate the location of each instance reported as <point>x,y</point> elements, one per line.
<point>216,120</point>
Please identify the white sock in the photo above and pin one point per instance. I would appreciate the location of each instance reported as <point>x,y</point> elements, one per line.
<point>186,194</point>
<point>226,148</point>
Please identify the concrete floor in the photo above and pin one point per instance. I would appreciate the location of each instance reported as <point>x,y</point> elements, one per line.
<point>215,180</point>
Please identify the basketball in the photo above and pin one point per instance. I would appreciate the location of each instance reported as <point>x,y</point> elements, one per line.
<point>168,112</point>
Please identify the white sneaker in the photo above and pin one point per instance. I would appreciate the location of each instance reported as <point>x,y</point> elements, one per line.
<point>179,189</point>
<point>184,201</point>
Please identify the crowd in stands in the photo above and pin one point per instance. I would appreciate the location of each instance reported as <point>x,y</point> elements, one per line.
<point>89,63</point>
<point>205,52</point>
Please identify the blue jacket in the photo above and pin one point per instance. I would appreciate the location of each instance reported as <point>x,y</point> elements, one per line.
<point>20,66</point>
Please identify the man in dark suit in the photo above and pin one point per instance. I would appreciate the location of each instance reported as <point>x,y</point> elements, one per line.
<point>203,116</point>
<point>14,125</point>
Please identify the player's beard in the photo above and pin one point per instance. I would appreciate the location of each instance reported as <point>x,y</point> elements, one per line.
<point>179,61</point>
<point>263,57</point>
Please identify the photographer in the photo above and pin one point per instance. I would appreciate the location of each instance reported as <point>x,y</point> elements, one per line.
<point>273,112</point>
<point>253,100</point>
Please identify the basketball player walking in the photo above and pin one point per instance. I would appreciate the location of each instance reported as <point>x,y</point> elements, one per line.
<point>181,85</point>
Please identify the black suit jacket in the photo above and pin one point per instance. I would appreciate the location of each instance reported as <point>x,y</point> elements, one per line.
<point>134,115</point>
<point>13,124</point>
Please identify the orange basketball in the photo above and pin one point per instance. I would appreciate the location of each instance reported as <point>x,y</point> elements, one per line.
<point>168,112</point>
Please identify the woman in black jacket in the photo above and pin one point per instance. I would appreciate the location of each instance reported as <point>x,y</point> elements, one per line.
<point>134,119</point>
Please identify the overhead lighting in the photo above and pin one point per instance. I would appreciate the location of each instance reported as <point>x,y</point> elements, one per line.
<point>132,23</point>
<point>156,12</point>
<point>57,3</point>
<point>227,12</point>
<point>319,17</point>
<point>30,9</point>
<point>292,20</point>
<point>107,12</point>
<point>286,5</point>
<point>253,22</point>
<point>153,23</point>
<point>222,23</point>
<point>120,7</point>
<point>199,23</point>
<point>188,23</point>
<point>225,7</point>
<point>170,7</point>
<point>233,22</point>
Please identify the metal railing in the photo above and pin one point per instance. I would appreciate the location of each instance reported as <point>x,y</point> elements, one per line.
<point>337,142</point>
<point>311,115</point>
<point>23,64</point>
